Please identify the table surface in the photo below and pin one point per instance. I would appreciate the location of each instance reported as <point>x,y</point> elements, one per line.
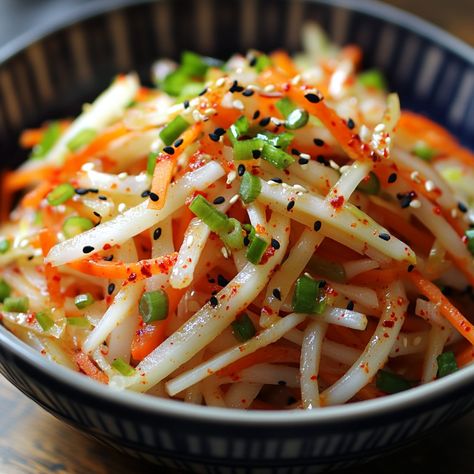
<point>34,442</point>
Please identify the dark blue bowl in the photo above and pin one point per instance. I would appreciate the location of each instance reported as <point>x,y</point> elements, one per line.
<point>53,69</point>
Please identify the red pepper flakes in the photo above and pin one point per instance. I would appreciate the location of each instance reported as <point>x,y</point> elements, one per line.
<point>337,202</point>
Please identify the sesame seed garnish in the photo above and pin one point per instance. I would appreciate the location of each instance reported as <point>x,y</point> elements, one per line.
<point>203,92</point>
<point>415,176</point>
<point>454,213</point>
<point>333,165</point>
<point>157,233</point>
<point>462,207</point>
<point>220,82</point>
<point>305,155</point>
<point>317,226</point>
<point>298,187</point>
<point>186,104</point>
<point>275,244</point>
<point>252,61</point>
<point>303,161</point>
<point>154,197</point>
<point>313,98</point>
<point>256,154</point>
<point>213,301</point>
<point>392,178</point>
<point>235,87</point>
<point>103,198</point>
<point>219,200</point>
<point>81,191</point>
<point>96,214</point>
<point>384,236</point>
<point>429,185</point>
<point>295,152</point>
<point>241,170</point>
<point>256,114</point>
<point>110,289</point>
<point>379,128</point>
<point>222,281</point>
<point>238,104</point>
<point>169,150</point>
<point>122,207</point>
<point>415,204</point>
<point>318,142</point>
<point>350,124</point>
<point>122,175</point>
<point>264,122</point>
<point>210,111</point>
<point>248,93</point>
<point>350,306</point>
<point>219,131</point>
<point>276,122</point>
<point>87,249</point>
<point>231,176</point>
<point>145,193</point>
<point>234,199</point>
<point>290,205</point>
<point>276,180</point>
<point>277,294</point>
<point>224,252</point>
<point>410,268</point>
<point>269,88</point>
<point>214,137</point>
<point>178,142</point>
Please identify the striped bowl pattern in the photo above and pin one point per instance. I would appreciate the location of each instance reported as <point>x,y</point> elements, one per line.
<point>57,67</point>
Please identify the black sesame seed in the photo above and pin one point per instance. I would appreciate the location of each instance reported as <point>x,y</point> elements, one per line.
<point>322,283</point>
<point>103,198</point>
<point>109,258</point>
<point>318,142</point>
<point>219,200</point>
<point>211,280</point>
<point>277,180</point>
<point>219,131</point>
<point>252,61</point>
<point>277,294</point>
<point>256,154</point>
<point>81,191</point>
<point>392,178</point>
<point>264,122</point>
<point>96,214</point>
<point>303,161</point>
<point>296,152</point>
<point>241,170</point>
<point>203,91</point>
<point>87,249</point>
<point>154,197</point>
<point>214,292</point>
<point>246,241</point>
<point>169,150</point>
<point>462,207</point>
<point>222,281</point>
<point>157,233</point>
<point>275,244</point>
<point>248,93</point>
<point>384,236</point>
<point>410,268</point>
<point>31,257</point>
<point>235,87</point>
<point>213,301</point>
<point>214,137</point>
<point>350,305</point>
<point>317,226</point>
<point>282,383</point>
<point>313,98</point>
<point>110,288</point>
<point>291,400</point>
<point>350,124</point>
<point>186,104</point>
<point>256,114</point>
<point>178,142</point>
<point>145,193</point>
<point>290,205</point>
<point>93,190</point>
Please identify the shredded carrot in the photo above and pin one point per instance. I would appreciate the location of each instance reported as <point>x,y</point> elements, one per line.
<point>35,196</point>
<point>89,368</point>
<point>450,312</point>
<point>282,60</point>
<point>23,178</point>
<point>466,356</point>
<point>47,240</point>
<point>125,271</point>
<point>376,278</point>
<point>161,182</point>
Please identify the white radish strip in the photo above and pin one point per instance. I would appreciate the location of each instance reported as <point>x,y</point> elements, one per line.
<point>429,312</point>
<point>376,352</point>
<point>437,339</point>
<point>18,283</point>
<point>266,337</point>
<point>348,220</point>
<point>195,239</point>
<point>410,343</point>
<point>242,394</point>
<point>125,302</point>
<point>343,317</point>
<point>320,176</point>
<point>193,395</point>
<point>107,108</point>
<point>113,184</point>
<point>355,267</point>
<point>349,180</point>
<point>339,352</point>
<point>135,220</point>
<point>212,393</point>
<point>26,321</point>
<point>309,363</point>
<point>267,374</point>
<point>34,278</point>
<point>98,356</point>
<point>359,294</point>
<point>210,321</point>
<point>257,218</point>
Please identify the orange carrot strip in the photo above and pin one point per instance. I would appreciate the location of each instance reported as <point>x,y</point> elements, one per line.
<point>376,278</point>
<point>161,181</point>
<point>35,196</point>
<point>125,271</point>
<point>283,61</point>
<point>47,240</point>
<point>466,356</point>
<point>31,137</point>
<point>89,368</point>
<point>21,178</point>
<point>450,312</point>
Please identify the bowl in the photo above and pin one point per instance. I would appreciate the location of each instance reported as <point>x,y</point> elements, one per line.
<point>55,67</point>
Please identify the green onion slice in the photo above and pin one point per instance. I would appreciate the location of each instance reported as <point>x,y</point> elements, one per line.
<point>173,130</point>
<point>151,163</point>
<point>49,138</point>
<point>83,301</point>
<point>60,194</point>
<point>78,322</point>
<point>84,137</point>
<point>279,140</point>
<point>190,90</point>
<point>44,320</point>
<point>174,82</point>
<point>5,290</point>
<point>4,246</point>
<point>76,225</point>
<point>256,249</point>
<point>263,62</point>
<point>423,151</point>
<point>307,297</point>
<point>153,306</point>
<point>250,187</point>
<point>324,268</point>
<point>193,64</point>
<point>240,127</point>
<point>470,240</point>
<point>233,238</point>
<point>295,117</point>
<point>389,382</point>
<point>16,305</point>
<point>278,158</point>
<point>121,366</point>
<point>248,149</point>
<point>243,328</point>
<point>217,221</point>
<point>446,364</point>
<point>373,79</point>
<point>370,184</point>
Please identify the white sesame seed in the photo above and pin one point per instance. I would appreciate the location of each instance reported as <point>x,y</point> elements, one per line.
<point>379,127</point>
<point>417,341</point>
<point>298,187</point>
<point>405,341</point>
<point>122,176</point>
<point>231,176</point>
<point>24,243</point>
<point>220,82</point>
<point>196,116</point>
<point>305,156</point>
<point>122,207</point>
<point>415,176</point>
<point>275,121</point>
<point>416,203</point>
<point>210,111</point>
<point>296,79</point>
<point>305,166</point>
<point>234,199</point>
<point>284,185</point>
<point>253,87</point>
<point>429,186</point>
<point>269,88</point>
<point>238,104</point>
<point>454,213</point>
<point>333,165</point>
<point>225,252</point>
<point>272,183</point>
<point>344,169</point>
<point>190,240</point>
<point>88,167</point>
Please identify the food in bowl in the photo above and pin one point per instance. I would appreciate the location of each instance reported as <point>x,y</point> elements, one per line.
<point>265,233</point>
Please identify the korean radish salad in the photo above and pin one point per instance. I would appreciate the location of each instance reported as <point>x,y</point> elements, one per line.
<point>270,232</point>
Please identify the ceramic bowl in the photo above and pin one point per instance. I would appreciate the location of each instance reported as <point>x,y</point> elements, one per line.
<point>55,67</point>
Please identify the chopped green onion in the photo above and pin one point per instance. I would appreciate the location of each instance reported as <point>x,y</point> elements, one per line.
<point>295,117</point>
<point>278,158</point>
<point>5,290</point>
<point>372,78</point>
<point>250,187</point>
<point>263,61</point>
<point>173,130</point>
<point>4,246</point>
<point>82,138</point>
<point>60,194</point>
<point>193,64</point>
<point>217,221</point>
<point>44,320</point>
<point>370,185</point>
<point>121,366</point>
<point>174,82</point>
<point>190,90</point>
<point>389,382</point>
<point>446,364</point>
<point>49,138</point>
<point>251,232</point>
<point>256,249</point>
<point>307,296</point>
<point>278,140</point>
<point>243,328</point>
<point>423,151</point>
<point>233,238</point>
<point>78,322</point>
<point>324,268</point>
<point>153,306</point>
<point>16,305</point>
<point>83,301</point>
<point>470,240</point>
<point>76,225</point>
<point>151,163</point>
<point>248,149</point>
<point>240,127</point>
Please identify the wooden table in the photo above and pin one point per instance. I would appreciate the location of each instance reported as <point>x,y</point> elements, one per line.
<point>34,442</point>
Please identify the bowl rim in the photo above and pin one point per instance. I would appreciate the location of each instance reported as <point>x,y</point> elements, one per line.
<point>410,399</point>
